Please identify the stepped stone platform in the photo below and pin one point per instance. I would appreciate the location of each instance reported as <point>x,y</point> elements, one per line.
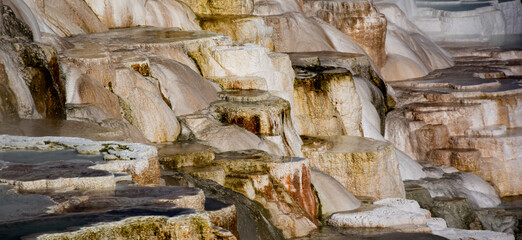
<point>262,114</point>
<point>64,195</point>
<point>467,116</point>
<point>364,166</point>
<point>139,160</point>
<point>280,184</point>
<point>154,76</point>
<point>253,110</point>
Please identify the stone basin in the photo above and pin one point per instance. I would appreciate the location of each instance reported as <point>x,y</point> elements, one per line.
<point>358,64</point>
<point>261,113</point>
<point>253,110</point>
<point>58,175</point>
<point>60,223</point>
<point>244,95</point>
<point>136,159</point>
<point>29,157</point>
<point>185,154</point>
<point>68,128</point>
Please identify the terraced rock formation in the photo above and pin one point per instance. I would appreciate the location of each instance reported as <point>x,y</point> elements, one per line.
<point>465,117</point>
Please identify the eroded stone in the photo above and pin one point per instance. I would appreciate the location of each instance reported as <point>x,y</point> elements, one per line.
<point>364,166</point>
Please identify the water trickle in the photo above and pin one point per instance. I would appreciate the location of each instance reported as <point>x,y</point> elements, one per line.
<point>333,196</point>
<point>24,12</point>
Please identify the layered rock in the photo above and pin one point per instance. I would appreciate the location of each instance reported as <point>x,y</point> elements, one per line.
<point>203,127</point>
<point>261,114</point>
<point>364,166</point>
<point>327,102</point>
<point>371,89</point>
<point>250,29</point>
<point>134,81</point>
<point>220,7</point>
<point>147,79</point>
<point>99,197</point>
<point>123,212</point>
<point>295,32</point>
<point>397,47</point>
<point>188,226</point>
<point>357,19</point>
<point>467,20</point>
<point>386,213</point>
<point>68,18</point>
<point>468,123</point>
<point>252,218</point>
<point>358,64</point>
<point>219,60</point>
<point>281,185</point>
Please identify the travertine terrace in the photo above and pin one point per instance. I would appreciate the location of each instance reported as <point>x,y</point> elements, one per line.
<point>260,119</point>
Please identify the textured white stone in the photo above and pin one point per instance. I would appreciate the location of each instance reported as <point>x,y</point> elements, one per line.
<point>388,212</point>
<point>135,157</point>
<point>463,184</point>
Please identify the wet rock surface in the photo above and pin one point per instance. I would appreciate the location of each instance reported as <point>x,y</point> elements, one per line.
<point>140,77</point>
<point>55,176</point>
<point>457,212</point>
<point>136,159</point>
<point>70,128</point>
<point>252,218</point>
<point>206,129</point>
<point>113,79</point>
<point>96,198</point>
<point>280,185</point>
